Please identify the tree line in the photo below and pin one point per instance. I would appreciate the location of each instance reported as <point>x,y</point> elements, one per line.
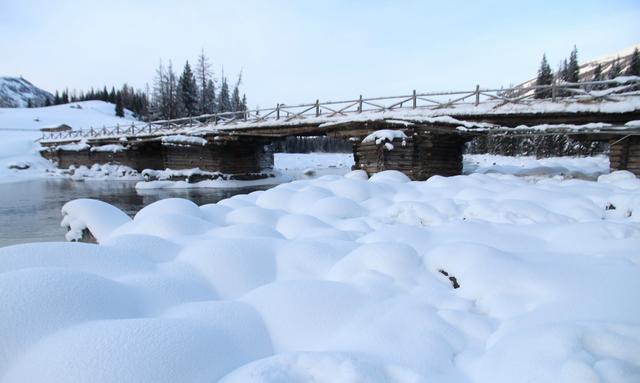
<point>569,71</point>
<point>192,93</point>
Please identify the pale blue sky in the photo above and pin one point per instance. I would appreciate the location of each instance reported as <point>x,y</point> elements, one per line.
<point>297,51</point>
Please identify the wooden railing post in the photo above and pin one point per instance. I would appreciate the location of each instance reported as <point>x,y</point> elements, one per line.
<point>277,111</point>
<point>415,100</point>
<point>317,108</point>
<point>477,94</point>
<point>360,104</point>
<point>554,91</point>
<point>117,129</point>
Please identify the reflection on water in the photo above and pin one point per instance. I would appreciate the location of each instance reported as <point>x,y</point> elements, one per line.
<point>30,211</point>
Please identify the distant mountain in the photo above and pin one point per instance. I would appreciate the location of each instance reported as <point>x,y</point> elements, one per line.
<point>16,92</point>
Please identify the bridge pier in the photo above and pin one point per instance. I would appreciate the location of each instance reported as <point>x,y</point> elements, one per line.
<point>231,157</point>
<point>624,154</point>
<point>424,152</point>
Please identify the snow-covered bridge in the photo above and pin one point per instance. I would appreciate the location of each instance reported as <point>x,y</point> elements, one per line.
<point>434,128</point>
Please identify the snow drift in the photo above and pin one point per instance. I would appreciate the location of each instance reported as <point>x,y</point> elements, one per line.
<point>338,279</point>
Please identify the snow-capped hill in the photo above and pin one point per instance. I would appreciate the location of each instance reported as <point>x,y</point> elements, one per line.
<point>77,115</point>
<point>587,68</point>
<point>16,92</point>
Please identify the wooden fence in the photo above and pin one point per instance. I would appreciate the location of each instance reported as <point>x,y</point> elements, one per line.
<point>608,90</point>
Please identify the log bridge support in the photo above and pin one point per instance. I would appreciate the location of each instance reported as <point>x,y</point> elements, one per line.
<point>231,157</point>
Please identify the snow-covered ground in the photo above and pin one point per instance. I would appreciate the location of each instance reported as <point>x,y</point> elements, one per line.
<point>531,167</point>
<point>338,279</point>
<point>20,127</point>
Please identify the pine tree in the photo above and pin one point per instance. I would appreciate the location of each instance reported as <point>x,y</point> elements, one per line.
<point>573,69</point>
<point>634,64</point>
<point>236,101</point>
<point>597,76</point>
<point>563,71</point>
<point>47,101</point>
<point>29,103</point>
<point>597,73</point>
<point>119,106</point>
<point>165,93</point>
<point>209,98</point>
<point>244,103</point>
<point>56,99</point>
<point>188,93</point>
<point>105,94</point>
<point>616,69</point>
<point>206,88</point>
<point>545,77</point>
<point>224,101</point>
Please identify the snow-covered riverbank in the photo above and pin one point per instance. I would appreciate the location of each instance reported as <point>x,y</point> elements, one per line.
<point>20,128</point>
<point>338,279</point>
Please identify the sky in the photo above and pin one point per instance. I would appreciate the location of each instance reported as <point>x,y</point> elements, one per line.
<point>298,51</point>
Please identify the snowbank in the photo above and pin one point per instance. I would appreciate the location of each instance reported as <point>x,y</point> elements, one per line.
<point>384,135</point>
<point>184,140</point>
<point>20,128</point>
<point>531,167</point>
<point>478,278</point>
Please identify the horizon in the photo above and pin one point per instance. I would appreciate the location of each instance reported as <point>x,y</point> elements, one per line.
<point>333,54</point>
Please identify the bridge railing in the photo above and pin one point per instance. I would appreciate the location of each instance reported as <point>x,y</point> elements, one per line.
<point>589,91</point>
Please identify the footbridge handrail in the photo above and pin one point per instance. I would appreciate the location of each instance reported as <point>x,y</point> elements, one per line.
<point>557,92</point>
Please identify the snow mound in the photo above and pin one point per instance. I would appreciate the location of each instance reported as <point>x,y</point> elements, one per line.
<point>384,135</point>
<point>488,277</point>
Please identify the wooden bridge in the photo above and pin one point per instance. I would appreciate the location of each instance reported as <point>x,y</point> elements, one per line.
<point>436,126</point>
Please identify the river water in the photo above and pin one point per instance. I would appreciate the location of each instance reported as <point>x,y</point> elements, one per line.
<point>30,210</point>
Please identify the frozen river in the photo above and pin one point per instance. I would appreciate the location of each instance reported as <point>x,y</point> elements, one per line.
<point>30,210</point>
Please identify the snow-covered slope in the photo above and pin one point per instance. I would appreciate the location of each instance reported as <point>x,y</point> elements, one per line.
<point>467,279</point>
<point>19,128</point>
<point>16,92</point>
<point>587,67</point>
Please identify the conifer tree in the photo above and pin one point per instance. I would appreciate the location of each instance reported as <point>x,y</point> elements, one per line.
<point>597,73</point>
<point>119,106</point>
<point>545,77</point>
<point>244,103</point>
<point>573,68</point>
<point>236,101</point>
<point>187,93</point>
<point>634,64</point>
<point>224,101</point>
<point>597,76</point>
<point>563,71</point>
<point>206,89</point>
<point>209,98</point>
<point>616,69</point>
